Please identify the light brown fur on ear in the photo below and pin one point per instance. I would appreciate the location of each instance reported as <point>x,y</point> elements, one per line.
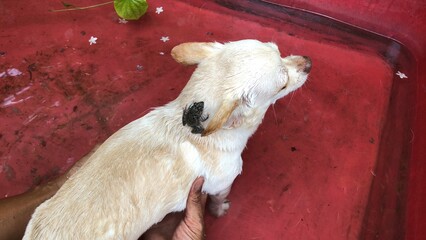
<point>193,53</point>
<point>221,116</point>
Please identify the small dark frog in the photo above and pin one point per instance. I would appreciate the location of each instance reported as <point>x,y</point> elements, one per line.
<point>193,117</point>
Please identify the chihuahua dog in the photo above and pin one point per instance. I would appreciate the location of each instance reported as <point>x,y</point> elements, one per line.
<point>145,170</point>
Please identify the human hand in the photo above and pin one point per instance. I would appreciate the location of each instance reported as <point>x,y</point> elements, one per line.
<point>183,226</point>
<point>192,225</point>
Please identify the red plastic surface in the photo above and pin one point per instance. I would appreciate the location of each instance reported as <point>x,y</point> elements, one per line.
<point>405,21</point>
<point>329,161</point>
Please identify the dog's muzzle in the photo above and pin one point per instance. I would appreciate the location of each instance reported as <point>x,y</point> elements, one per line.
<point>308,64</point>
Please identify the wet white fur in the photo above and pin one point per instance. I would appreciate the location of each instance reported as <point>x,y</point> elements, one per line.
<point>145,170</point>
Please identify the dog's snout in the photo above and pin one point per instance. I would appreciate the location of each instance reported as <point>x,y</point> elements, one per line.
<point>308,64</point>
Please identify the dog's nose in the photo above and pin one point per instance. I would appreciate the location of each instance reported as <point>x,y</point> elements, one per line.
<point>308,64</point>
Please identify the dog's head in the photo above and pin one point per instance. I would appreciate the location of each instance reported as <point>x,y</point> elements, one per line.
<point>239,80</point>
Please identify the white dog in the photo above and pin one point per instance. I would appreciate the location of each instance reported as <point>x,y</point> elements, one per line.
<point>145,170</point>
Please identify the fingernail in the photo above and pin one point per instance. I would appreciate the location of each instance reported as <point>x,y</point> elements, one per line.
<point>198,184</point>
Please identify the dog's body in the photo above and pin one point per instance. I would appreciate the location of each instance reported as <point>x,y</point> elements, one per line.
<point>145,170</point>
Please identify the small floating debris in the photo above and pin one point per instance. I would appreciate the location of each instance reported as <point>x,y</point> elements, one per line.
<point>92,40</point>
<point>401,75</point>
<point>165,38</point>
<point>10,100</point>
<point>13,72</point>
<point>159,10</point>
<point>139,67</point>
<point>122,21</point>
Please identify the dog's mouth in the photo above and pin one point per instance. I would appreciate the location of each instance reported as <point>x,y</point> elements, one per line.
<point>302,64</point>
<point>303,67</point>
<point>298,69</point>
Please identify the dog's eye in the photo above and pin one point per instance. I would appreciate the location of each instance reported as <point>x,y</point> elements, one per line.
<point>284,76</point>
<point>284,87</point>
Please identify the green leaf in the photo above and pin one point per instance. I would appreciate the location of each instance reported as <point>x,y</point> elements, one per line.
<point>130,9</point>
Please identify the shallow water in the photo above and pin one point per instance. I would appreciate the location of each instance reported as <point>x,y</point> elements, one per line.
<point>315,169</point>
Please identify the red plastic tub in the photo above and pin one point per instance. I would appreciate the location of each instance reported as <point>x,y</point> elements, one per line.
<point>341,158</point>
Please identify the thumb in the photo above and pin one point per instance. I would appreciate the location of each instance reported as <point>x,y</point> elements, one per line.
<point>196,200</point>
<point>192,225</point>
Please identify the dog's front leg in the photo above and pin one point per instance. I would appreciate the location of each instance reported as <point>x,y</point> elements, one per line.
<point>218,204</point>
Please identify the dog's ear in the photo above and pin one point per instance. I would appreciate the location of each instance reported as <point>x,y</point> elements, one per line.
<point>221,116</point>
<point>194,52</point>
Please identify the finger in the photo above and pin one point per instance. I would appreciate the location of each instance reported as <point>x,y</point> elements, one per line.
<point>203,203</point>
<point>203,199</point>
<point>197,185</point>
<point>196,200</point>
<point>192,226</point>
<point>194,197</point>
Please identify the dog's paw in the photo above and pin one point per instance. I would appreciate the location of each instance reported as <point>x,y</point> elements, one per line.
<point>219,209</point>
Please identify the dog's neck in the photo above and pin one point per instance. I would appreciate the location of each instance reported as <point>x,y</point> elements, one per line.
<point>226,139</point>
